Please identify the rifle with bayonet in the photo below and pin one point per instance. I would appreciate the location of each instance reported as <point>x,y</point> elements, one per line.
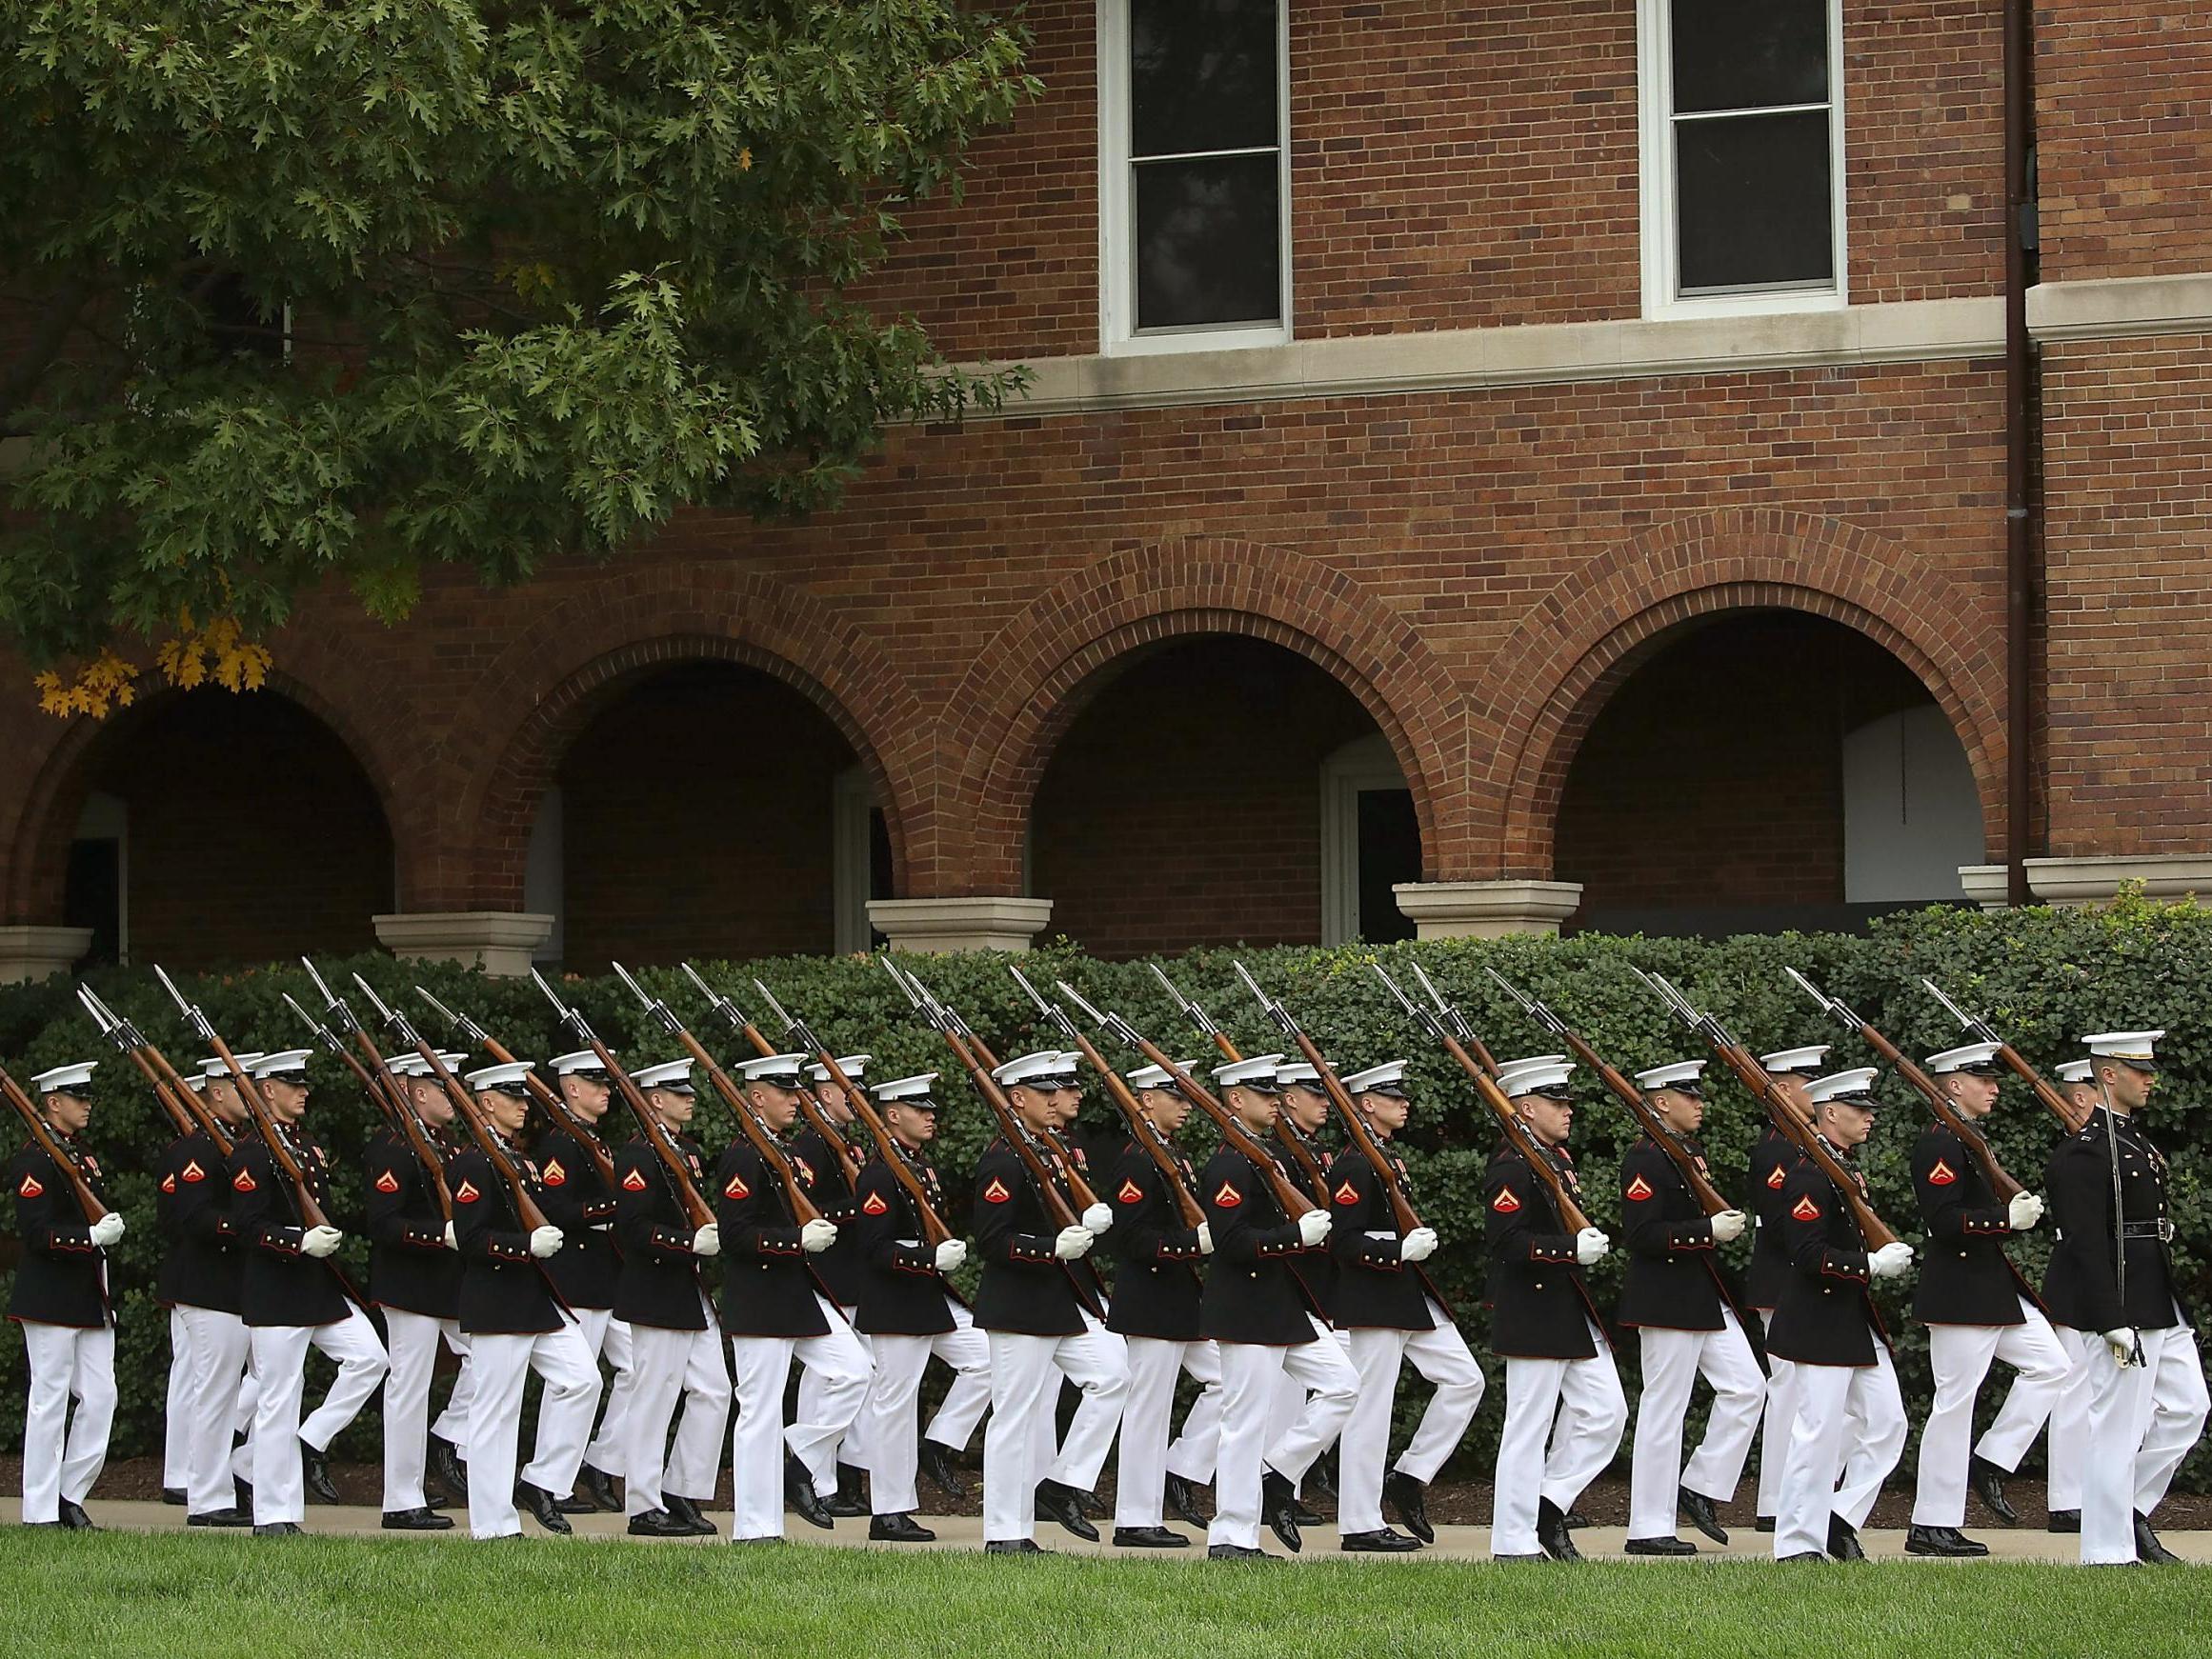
<point>1140,1128</point>
<point>1785,1117</point>
<point>1446,1024</point>
<point>773,1154</point>
<point>810,1102</point>
<point>398,1107</point>
<point>1701,1188</point>
<point>1946,1111</point>
<point>178,1098</point>
<point>42,1134</point>
<point>1356,1131</point>
<point>547,1097</point>
<point>1978,1028</point>
<point>887,1147</point>
<point>1293,1138</point>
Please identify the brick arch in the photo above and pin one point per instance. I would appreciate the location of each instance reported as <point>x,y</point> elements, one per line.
<point>573,658</point>
<point>1605,619</point>
<point>1022,690</point>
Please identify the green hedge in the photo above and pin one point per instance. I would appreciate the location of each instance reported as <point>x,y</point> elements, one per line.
<point>2043,977</point>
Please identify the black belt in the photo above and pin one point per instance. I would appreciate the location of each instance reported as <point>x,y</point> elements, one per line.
<point>2161,1229</point>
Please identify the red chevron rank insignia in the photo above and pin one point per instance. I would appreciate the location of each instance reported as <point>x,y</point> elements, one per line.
<point>736,1189</point>
<point>242,1181</point>
<point>1639,1189</point>
<point>1346,1194</point>
<point>1228,1198</point>
<point>1777,1178</point>
<point>31,1188</point>
<point>388,1182</point>
<point>995,1192</point>
<point>1131,1192</point>
<point>1942,1174</point>
<point>633,1182</point>
<point>193,1172</point>
<point>554,1174</point>
<point>169,1182</point>
<point>1507,1202</point>
<point>874,1205</point>
<point>1805,1210</point>
<point>465,1193</point>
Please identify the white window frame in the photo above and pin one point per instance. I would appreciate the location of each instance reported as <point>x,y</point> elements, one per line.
<point>1117,333</point>
<point>1656,98</point>
<point>1364,765</point>
<point>851,802</point>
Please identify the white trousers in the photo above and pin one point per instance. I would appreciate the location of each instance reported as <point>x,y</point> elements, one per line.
<point>1850,1423</point>
<point>1140,1481</point>
<point>894,1401</point>
<point>606,1337</point>
<point>1290,1402</point>
<point>1439,1355</point>
<point>212,1352</point>
<point>2068,1445</point>
<point>759,1439</point>
<point>1251,1444</point>
<point>1960,1356</point>
<point>850,1446</point>
<point>1025,1385</point>
<point>668,1365</point>
<point>503,1362</point>
<point>279,1357</point>
<point>64,1452</point>
<point>411,1342</point>
<point>176,1468</point>
<point>1673,1361</point>
<point>1774,1435</point>
<point>1585,1395</point>
<point>2142,1421</point>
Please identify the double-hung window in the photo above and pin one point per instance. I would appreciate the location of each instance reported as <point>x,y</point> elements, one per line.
<point>1742,142</point>
<point>1193,198</point>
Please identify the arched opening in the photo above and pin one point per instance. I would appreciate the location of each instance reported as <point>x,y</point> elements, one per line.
<point>705,809</point>
<point>1761,770</point>
<point>1192,800</point>
<point>215,829</point>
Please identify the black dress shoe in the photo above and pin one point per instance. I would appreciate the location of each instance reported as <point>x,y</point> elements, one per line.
<point>1014,1547</point>
<point>1148,1538</point>
<point>1092,1505</point>
<point>1575,1518</point>
<point>1278,1508</point>
<point>1304,1515</point>
<point>74,1518</point>
<point>1552,1532</point>
<point>543,1509</point>
<point>1323,1474</point>
<point>1058,1502</point>
<point>1410,1498</point>
<point>898,1529</point>
<point>174,1495</point>
<point>1234,1552</point>
<point>1388,1541</point>
<point>242,1491</point>
<point>657,1524</point>
<point>686,1514</point>
<point>1659,1546</point>
<point>597,1485</point>
<point>850,1501</point>
<point>2064,1521</point>
<point>1539,1555</point>
<point>798,1492</point>
<point>447,1471</point>
<point>1988,1483</point>
<point>422,1520</point>
<point>1943,1541</point>
<point>1803,1555</point>
<point>1763,1524</point>
<point>277,1529</point>
<point>1182,1500</point>
<point>936,1462</point>
<point>576,1502</point>
<point>314,1473</point>
<point>220,1518</point>
<point>1698,1510</point>
<point>1843,1540</point>
<point>2148,1546</point>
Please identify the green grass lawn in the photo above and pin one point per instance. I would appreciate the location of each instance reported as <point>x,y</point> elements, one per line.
<point>120,1595</point>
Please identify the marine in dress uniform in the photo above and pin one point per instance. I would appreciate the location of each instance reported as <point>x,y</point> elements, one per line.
<point>1545,1325</point>
<point>1674,1297</point>
<point>1849,1422</point>
<point>838,1267</point>
<point>415,1277</point>
<point>198,1282</point>
<point>2112,1281</point>
<point>661,1301</point>
<point>1158,1287</point>
<point>1977,1308</point>
<point>2068,1436</point>
<point>293,1298</point>
<point>1389,1311</point>
<point>1264,1319</point>
<point>589,1265</point>
<point>60,1301</point>
<point>1773,1156</point>
<point>774,1309</point>
<point>1305,1111</point>
<point>908,1312</point>
<point>516,1324</point>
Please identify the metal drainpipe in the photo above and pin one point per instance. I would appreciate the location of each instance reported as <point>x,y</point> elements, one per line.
<point>2018,525</point>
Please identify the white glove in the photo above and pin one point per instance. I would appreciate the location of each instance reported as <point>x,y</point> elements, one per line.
<point>1591,1244</point>
<point>106,1229</point>
<point>1891,1260</point>
<point>707,1240</point>
<point>1205,1238</point>
<point>950,1254</point>
<point>1313,1228</point>
<point>1097,1218</point>
<point>1074,1242</point>
<point>1418,1246</point>
<point>1727,1226</point>
<point>2121,1344</point>
<point>453,1239</point>
<point>320,1241</point>
<point>545,1241</point>
<point>818,1236</point>
<point>2026,1209</point>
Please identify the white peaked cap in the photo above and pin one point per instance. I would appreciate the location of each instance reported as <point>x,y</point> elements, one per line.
<point>70,1079</point>
<point>2128,1048</point>
<point>582,1060</point>
<point>1972,1058</point>
<point>1155,1076</point>
<point>1298,1074</point>
<point>285,1063</point>
<point>1806,1059</point>
<point>1257,1072</point>
<point>850,1064</point>
<point>1389,1077</point>
<point>415,1066</point>
<point>215,1066</point>
<point>672,1075</point>
<point>1536,1076</point>
<point>780,1070</point>
<point>503,1079</point>
<point>906,1090</point>
<point>2076,1071</point>
<point>1032,1069</point>
<point>1681,1075</point>
<point>1848,1085</point>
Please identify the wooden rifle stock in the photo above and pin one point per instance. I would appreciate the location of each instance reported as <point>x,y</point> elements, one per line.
<point>1027,1146</point>
<point>1291,1138</point>
<point>527,1213</point>
<point>305,1206</point>
<point>1708,1196</point>
<point>400,1114</point>
<point>803,1207</point>
<point>1294,1201</point>
<point>2055,1103</point>
<point>809,1103</point>
<point>44,1136</point>
<point>556,1109</point>
<point>184,1104</point>
<point>1078,1188</point>
<point>1872,1229</point>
